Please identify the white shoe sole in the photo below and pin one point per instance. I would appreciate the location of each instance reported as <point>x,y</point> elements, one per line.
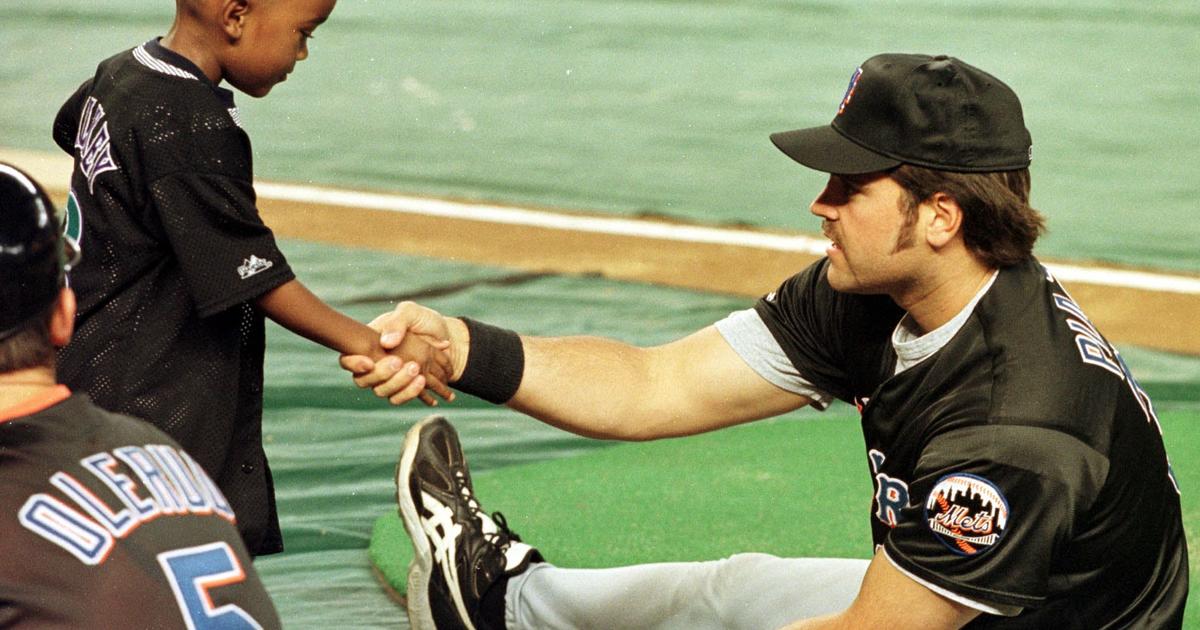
<point>419,615</point>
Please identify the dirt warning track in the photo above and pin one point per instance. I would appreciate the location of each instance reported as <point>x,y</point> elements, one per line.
<point>1138,307</point>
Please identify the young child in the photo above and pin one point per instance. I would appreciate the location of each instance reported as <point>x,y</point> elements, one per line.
<point>178,267</point>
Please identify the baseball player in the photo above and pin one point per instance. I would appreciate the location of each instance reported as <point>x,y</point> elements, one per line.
<point>106,521</point>
<point>1019,470</point>
<point>180,268</point>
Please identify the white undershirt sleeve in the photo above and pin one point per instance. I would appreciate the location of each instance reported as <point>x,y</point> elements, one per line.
<point>753,342</point>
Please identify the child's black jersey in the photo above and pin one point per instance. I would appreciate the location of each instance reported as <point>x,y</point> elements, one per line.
<point>174,254</point>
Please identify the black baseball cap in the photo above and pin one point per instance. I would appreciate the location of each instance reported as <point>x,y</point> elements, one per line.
<point>936,112</point>
<point>34,253</point>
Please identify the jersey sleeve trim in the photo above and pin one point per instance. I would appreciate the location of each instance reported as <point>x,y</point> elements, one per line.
<point>1001,610</point>
<point>750,338</point>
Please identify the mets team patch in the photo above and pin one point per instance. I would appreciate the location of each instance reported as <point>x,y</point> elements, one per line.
<point>967,513</point>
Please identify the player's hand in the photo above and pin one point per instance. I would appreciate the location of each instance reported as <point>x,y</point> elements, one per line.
<point>397,380</point>
<point>429,353</point>
<point>413,367</point>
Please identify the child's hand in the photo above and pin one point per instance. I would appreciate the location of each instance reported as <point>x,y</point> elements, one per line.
<point>429,354</point>
<point>420,357</point>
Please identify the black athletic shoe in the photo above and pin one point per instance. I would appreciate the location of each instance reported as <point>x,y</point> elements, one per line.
<point>458,550</point>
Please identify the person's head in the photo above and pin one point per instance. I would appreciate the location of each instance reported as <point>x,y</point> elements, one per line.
<point>943,140</point>
<point>37,310</point>
<point>256,43</point>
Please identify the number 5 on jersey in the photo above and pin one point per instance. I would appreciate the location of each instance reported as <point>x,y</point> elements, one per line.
<point>192,571</point>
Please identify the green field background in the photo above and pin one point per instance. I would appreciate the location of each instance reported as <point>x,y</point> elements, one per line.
<point>634,107</point>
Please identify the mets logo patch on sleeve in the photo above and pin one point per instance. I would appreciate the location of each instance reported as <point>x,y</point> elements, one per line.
<point>967,513</point>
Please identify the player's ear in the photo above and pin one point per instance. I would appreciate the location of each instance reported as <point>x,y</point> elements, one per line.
<point>62,318</point>
<point>945,221</point>
<point>233,15</point>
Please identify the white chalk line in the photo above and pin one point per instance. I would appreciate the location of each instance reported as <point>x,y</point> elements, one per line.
<point>663,231</point>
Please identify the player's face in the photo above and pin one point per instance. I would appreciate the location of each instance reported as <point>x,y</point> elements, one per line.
<point>275,36</point>
<point>872,242</point>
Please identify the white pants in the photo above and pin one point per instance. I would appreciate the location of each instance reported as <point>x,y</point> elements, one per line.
<point>752,590</point>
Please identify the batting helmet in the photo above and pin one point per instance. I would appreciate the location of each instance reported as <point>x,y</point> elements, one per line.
<point>33,251</point>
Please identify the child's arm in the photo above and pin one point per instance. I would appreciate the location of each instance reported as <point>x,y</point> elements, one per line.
<point>294,307</point>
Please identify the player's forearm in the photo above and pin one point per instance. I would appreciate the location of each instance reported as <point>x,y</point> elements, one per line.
<point>586,385</point>
<point>608,389</point>
<point>589,386</point>
<point>294,307</point>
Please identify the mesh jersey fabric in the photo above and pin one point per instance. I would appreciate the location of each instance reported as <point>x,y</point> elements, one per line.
<point>105,523</point>
<point>1019,465</point>
<point>174,253</point>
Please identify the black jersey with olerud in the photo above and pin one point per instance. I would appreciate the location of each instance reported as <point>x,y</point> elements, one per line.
<point>174,254</point>
<point>1020,466</point>
<point>107,523</point>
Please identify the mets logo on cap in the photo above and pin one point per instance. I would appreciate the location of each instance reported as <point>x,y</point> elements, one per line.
<point>967,513</point>
<point>850,90</point>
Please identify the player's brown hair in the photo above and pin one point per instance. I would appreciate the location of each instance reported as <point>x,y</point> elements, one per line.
<point>30,347</point>
<point>999,225</point>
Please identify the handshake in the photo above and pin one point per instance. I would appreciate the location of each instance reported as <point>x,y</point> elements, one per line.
<point>425,353</point>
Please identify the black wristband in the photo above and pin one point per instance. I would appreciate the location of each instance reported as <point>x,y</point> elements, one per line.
<point>495,363</point>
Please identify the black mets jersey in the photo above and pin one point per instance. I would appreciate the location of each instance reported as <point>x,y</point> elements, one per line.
<point>1019,467</point>
<point>107,523</point>
<point>174,253</point>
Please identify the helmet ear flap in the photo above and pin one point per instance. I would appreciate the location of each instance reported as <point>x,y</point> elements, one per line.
<point>32,250</point>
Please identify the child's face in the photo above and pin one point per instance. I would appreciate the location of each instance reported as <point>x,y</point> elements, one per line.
<point>274,37</point>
